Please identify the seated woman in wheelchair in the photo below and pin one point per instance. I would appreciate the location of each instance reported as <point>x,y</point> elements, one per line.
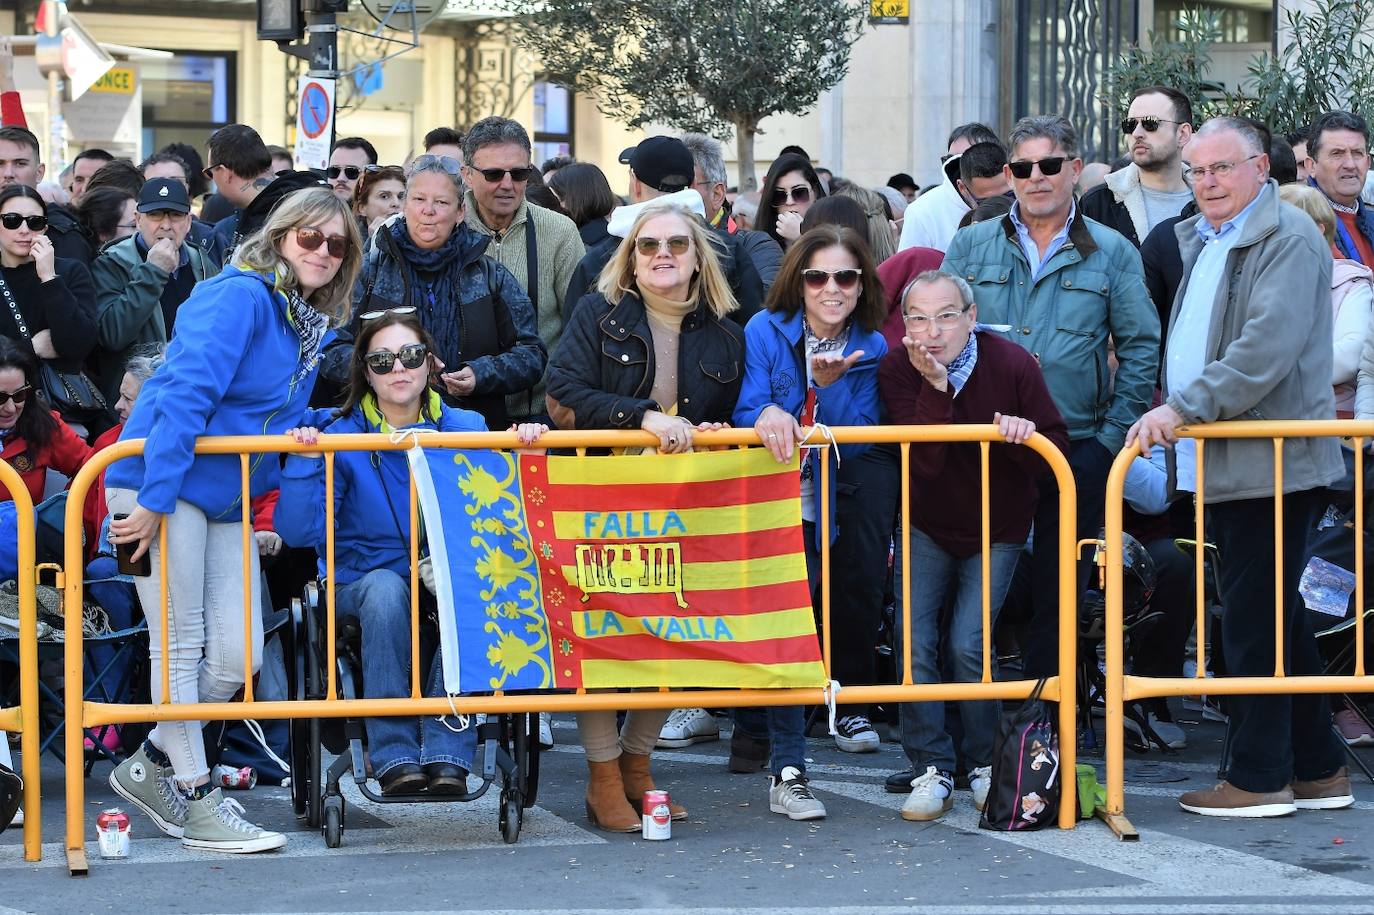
<point>388,390</point>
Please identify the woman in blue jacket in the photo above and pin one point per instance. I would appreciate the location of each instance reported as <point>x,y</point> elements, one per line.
<point>243,362</point>
<point>811,357</point>
<point>388,390</point>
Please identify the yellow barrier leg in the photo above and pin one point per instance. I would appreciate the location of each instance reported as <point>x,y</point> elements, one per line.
<point>1068,645</point>
<point>28,672</point>
<point>70,582</point>
<point>1115,815</point>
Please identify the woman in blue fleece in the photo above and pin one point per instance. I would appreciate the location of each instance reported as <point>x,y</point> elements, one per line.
<point>388,389</point>
<point>243,362</point>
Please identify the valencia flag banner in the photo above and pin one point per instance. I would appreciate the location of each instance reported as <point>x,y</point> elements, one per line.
<point>556,572</point>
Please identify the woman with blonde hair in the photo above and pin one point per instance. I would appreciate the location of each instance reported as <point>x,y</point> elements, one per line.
<point>882,240</point>
<point>651,349</point>
<point>243,362</point>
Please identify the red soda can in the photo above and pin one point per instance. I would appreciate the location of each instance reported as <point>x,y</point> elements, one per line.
<point>112,829</point>
<point>658,817</point>
<point>235,779</point>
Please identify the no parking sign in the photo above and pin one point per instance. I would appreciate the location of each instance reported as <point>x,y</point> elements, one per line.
<point>314,122</point>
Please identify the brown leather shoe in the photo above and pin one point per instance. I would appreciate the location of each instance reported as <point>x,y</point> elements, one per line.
<point>1226,800</point>
<point>607,808</point>
<point>1330,793</point>
<point>634,771</point>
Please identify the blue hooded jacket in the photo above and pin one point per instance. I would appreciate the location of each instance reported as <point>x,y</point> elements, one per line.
<point>234,367</point>
<point>371,494</point>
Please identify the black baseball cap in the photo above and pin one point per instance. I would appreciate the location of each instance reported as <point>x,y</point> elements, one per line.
<point>663,163</point>
<point>163,194</point>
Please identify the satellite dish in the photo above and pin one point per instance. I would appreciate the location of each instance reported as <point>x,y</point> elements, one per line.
<point>396,14</point>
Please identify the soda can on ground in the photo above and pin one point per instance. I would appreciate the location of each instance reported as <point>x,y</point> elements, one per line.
<point>234,779</point>
<point>658,817</point>
<point>112,830</point>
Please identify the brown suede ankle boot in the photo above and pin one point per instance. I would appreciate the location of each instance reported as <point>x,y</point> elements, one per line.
<point>607,808</point>
<point>634,772</point>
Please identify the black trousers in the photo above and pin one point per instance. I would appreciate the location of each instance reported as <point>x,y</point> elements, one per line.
<point>1090,461</point>
<point>1274,739</point>
<point>1159,649</point>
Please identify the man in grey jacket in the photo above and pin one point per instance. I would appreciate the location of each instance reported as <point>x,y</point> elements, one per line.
<point>1250,338</point>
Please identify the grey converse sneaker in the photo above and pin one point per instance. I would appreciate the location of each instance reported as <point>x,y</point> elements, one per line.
<point>149,787</point>
<point>216,823</point>
<point>790,795</point>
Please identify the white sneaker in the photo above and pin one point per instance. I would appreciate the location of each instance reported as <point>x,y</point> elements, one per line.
<point>216,823</point>
<point>791,796</point>
<point>932,796</point>
<point>1170,733</point>
<point>545,730</point>
<point>854,734</point>
<point>18,817</point>
<point>686,726</point>
<point>980,783</point>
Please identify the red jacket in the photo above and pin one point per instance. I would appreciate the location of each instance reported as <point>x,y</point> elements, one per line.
<point>66,452</point>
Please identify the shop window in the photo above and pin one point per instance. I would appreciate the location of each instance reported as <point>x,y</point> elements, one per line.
<point>553,121</point>
<point>187,97</point>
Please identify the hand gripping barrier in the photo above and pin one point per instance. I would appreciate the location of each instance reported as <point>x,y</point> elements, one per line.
<point>1122,688</point>
<point>24,719</point>
<point>89,714</point>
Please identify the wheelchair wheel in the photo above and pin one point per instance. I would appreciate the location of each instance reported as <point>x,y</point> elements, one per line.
<point>512,815</point>
<point>315,767</point>
<point>299,727</point>
<point>333,825</point>
<point>527,749</point>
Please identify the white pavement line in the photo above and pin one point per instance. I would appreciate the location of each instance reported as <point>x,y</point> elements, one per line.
<point>1168,864</point>
<point>1173,791</point>
<point>706,759</point>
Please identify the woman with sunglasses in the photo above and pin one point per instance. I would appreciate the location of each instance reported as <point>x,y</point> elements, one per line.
<point>789,189</point>
<point>46,300</point>
<point>379,194</point>
<point>243,362</point>
<point>388,390</point>
<point>486,339</point>
<point>812,359</point>
<point>651,349</point>
<point>33,437</point>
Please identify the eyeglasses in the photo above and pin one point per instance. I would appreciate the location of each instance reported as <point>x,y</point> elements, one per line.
<point>1049,167</point>
<point>351,172</point>
<point>12,221</point>
<point>782,196</point>
<point>1128,125</point>
<point>382,361</point>
<point>383,312</point>
<point>677,245</point>
<point>846,277</point>
<point>945,320</point>
<point>311,238</point>
<point>497,175</point>
<point>446,164</point>
<point>18,396</point>
<point>1219,170</point>
<point>209,171</point>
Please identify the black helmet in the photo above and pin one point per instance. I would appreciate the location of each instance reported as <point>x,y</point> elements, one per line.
<point>1138,578</point>
<point>11,790</point>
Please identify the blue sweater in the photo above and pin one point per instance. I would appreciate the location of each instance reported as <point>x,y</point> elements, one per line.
<point>234,367</point>
<point>371,496</point>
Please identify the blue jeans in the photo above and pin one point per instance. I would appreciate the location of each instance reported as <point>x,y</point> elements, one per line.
<point>933,572</point>
<point>381,601</point>
<point>120,602</point>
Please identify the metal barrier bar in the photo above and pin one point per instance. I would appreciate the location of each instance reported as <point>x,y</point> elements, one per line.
<point>24,719</point>
<point>81,713</point>
<point>246,522</point>
<point>1122,688</point>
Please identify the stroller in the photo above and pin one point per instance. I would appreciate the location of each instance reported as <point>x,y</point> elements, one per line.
<point>507,748</point>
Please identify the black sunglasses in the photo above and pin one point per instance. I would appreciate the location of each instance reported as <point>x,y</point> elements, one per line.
<point>1048,167</point>
<point>845,278</point>
<point>19,396</point>
<point>311,238</point>
<point>1128,125</point>
<point>351,172</point>
<point>782,196</point>
<point>382,361</point>
<point>12,221</point>
<point>497,175</point>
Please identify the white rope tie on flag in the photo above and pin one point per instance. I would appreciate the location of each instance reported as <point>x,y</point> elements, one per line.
<point>831,694</point>
<point>829,442</point>
<point>398,436</point>
<point>256,730</point>
<point>463,720</point>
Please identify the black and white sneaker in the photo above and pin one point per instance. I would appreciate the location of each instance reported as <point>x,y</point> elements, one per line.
<point>854,734</point>
<point>791,796</point>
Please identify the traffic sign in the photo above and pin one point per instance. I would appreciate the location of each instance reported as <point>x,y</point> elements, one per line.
<point>314,122</point>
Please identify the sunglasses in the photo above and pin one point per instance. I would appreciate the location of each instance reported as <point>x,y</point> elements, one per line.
<point>311,238</point>
<point>677,245</point>
<point>1048,167</point>
<point>351,172</point>
<point>446,164</point>
<point>496,175</point>
<point>382,361</point>
<point>12,221</point>
<point>1128,125</point>
<point>383,312</point>
<point>846,278</point>
<point>785,195</point>
<point>19,396</point>
<point>209,171</point>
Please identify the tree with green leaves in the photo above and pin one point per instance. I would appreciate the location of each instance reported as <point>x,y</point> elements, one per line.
<point>704,67</point>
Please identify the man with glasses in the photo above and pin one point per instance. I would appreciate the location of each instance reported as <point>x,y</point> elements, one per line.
<point>349,158</point>
<point>540,247</point>
<point>982,173</point>
<point>1251,338</point>
<point>238,162</point>
<point>1135,199</point>
<point>1337,164</point>
<point>932,218</point>
<point>1069,287</point>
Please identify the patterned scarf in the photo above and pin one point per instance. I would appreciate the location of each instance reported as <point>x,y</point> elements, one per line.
<point>310,326</point>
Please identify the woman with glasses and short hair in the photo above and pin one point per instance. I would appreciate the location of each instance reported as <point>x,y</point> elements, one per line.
<point>483,324</point>
<point>651,349</point>
<point>243,362</point>
<point>789,189</point>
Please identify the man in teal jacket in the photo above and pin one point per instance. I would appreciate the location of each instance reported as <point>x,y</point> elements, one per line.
<point>1070,288</point>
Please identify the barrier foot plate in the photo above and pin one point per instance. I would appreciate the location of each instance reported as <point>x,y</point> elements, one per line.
<point>1118,824</point>
<point>76,862</point>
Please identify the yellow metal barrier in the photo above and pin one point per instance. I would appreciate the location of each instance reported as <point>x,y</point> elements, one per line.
<point>24,719</point>
<point>1122,689</point>
<point>84,714</point>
